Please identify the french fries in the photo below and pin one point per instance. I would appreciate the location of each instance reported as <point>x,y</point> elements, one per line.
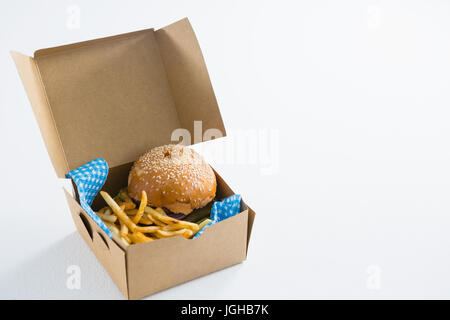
<point>155,220</point>
<point>118,211</point>
<point>139,237</point>
<point>107,217</point>
<point>173,221</point>
<point>123,195</point>
<point>127,205</point>
<point>113,228</point>
<point>173,227</point>
<point>131,212</point>
<point>204,223</point>
<point>145,220</point>
<point>143,224</point>
<point>102,210</point>
<point>187,233</point>
<point>201,225</point>
<point>149,229</point>
<point>142,206</point>
<point>161,210</point>
<point>123,229</point>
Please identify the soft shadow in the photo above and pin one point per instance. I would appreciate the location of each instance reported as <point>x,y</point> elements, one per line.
<point>220,284</point>
<point>45,275</point>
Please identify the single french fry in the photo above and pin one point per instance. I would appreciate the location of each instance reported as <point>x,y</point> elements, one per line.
<point>138,237</point>
<point>153,220</point>
<point>118,211</point>
<point>182,232</point>
<point>132,238</point>
<point>173,227</point>
<point>123,229</point>
<point>107,217</point>
<point>116,234</point>
<point>161,210</point>
<point>128,205</point>
<point>123,226</point>
<point>123,194</point>
<point>113,228</point>
<point>201,225</point>
<point>137,217</point>
<point>126,237</point>
<point>173,221</point>
<point>204,223</point>
<point>131,212</point>
<point>150,229</point>
<point>110,201</point>
<point>156,221</point>
<point>188,233</point>
<point>157,236</point>
<point>102,210</point>
<point>145,220</point>
<point>123,198</point>
<point>142,206</point>
<point>143,237</point>
<point>166,234</point>
<point>170,227</point>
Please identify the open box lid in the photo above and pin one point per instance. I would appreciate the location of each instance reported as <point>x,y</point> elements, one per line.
<point>117,97</point>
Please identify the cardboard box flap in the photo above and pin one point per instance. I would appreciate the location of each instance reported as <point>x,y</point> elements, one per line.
<point>189,80</point>
<point>35,91</point>
<point>119,96</point>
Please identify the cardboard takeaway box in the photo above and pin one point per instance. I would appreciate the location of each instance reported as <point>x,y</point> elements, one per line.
<point>115,98</point>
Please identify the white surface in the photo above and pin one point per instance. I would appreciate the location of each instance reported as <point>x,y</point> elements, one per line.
<point>359,94</point>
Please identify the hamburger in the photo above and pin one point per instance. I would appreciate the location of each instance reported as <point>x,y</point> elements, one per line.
<point>175,178</point>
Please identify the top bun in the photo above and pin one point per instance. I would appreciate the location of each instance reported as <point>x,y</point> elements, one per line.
<point>174,177</point>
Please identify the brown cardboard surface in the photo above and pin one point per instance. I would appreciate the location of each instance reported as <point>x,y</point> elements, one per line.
<point>53,50</point>
<point>188,77</point>
<point>123,104</point>
<point>251,219</point>
<point>35,91</point>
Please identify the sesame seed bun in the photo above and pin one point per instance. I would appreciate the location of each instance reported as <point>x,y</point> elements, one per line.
<point>174,177</point>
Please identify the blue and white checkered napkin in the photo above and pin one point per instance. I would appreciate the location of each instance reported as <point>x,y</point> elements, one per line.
<point>89,179</point>
<point>222,210</point>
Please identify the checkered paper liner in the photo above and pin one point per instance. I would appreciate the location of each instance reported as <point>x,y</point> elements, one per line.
<point>222,210</point>
<point>89,179</point>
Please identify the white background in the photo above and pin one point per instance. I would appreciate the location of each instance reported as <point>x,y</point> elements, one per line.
<point>356,94</point>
